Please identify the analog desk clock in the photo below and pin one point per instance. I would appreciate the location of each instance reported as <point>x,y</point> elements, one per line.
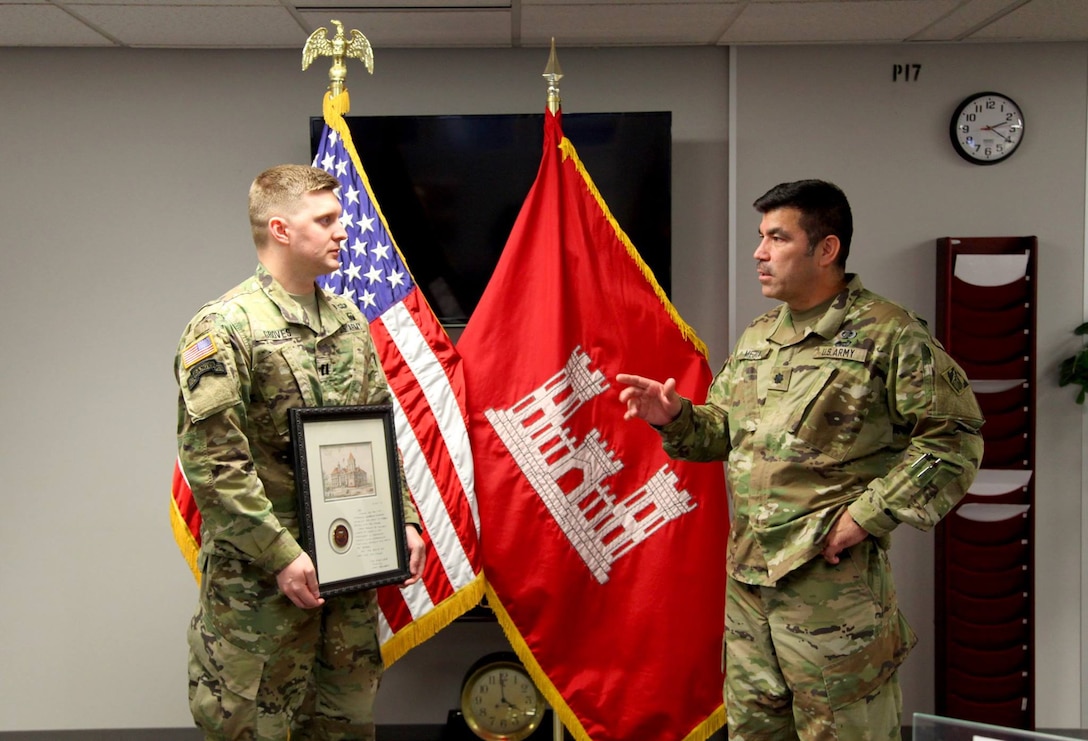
<point>499,701</point>
<point>987,128</point>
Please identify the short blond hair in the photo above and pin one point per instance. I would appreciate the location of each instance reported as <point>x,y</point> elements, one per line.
<point>277,192</point>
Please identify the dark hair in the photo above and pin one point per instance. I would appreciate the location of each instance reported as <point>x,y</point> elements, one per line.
<point>824,211</point>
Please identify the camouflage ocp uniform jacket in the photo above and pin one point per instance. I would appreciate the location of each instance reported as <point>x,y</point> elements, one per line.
<point>242,362</point>
<point>864,411</point>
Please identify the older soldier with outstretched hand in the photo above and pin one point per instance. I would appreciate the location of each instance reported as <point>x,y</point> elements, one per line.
<point>840,417</point>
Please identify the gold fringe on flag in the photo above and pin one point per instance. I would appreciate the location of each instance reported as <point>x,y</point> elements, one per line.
<point>685,329</point>
<point>186,542</point>
<point>427,626</point>
<point>551,695</point>
<point>336,107</point>
<point>702,732</point>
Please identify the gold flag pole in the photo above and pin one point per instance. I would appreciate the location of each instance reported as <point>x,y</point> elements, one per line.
<point>552,73</point>
<point>339,47</point>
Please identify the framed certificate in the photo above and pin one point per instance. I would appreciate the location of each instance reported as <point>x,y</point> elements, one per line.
<point>351,514</point>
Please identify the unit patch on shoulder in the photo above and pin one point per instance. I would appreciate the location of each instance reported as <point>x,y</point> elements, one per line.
<point>213,367</point>
<point>956,380</point>
<point>202,347</point>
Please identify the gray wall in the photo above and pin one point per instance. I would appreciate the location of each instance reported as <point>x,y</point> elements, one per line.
<point>122,202</point>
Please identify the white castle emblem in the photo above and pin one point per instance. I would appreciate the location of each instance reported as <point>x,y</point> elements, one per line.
<point>570,478</point>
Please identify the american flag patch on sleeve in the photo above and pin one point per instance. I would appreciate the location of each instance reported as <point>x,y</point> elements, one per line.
<point>202,347</point>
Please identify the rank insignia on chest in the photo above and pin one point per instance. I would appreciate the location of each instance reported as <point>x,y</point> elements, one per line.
<point>780,378</point>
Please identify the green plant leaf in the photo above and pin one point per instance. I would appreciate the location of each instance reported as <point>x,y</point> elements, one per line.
<point>1074,369</point>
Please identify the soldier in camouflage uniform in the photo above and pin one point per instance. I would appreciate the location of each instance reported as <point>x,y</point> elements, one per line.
<point>268,655</point>
<point>840,417</point>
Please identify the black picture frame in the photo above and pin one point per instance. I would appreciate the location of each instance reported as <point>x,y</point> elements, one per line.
<point>351,512</point>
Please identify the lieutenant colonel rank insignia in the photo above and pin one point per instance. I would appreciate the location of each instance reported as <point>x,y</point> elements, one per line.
<point>202,347</point>
<point>955,380</point>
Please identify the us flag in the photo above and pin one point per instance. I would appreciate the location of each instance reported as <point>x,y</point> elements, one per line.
<point>425,378</point>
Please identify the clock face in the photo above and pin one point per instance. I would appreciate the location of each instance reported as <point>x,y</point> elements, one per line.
<point>987,128</point>
<point>500,702</point>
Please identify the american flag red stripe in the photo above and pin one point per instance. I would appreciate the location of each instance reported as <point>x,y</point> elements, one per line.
<point>426,382</point>
<point>410,390</point>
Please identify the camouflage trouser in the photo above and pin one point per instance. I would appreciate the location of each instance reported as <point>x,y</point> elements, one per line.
<point>260,668</point>
<point>816,656</point>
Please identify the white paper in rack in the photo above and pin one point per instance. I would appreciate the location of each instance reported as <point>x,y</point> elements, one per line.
<point>991,512</point>
<point>991,270</point>
<point>996,386</point>
<point>993,481</point>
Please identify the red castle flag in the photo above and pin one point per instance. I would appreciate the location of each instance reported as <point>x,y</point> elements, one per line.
<point>427,385</point>
<point>604,558</point>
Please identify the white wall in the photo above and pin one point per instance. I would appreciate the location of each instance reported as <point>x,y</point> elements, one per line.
<point>122,205</point>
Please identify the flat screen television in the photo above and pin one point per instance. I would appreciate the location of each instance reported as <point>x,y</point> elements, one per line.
<point>450,188</point>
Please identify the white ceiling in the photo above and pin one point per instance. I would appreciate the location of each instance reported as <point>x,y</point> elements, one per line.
<point>252,24</point>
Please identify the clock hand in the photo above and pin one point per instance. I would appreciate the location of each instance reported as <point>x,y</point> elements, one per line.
<point>993,128</point>
<point>502,690</point>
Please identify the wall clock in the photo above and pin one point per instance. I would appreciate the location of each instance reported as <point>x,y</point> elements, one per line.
<point>987,128</point>
<point>499,701</point>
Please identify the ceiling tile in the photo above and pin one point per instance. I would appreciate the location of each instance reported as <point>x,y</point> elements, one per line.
<point>504,23</point>
<point>710,5</point>
<point>830,21</point>
<point>196,26</point>
<point>623,24</point>
<point>420,28</point>
<point>1050,20</point>
<point>962,20</point>
<point>170,3</point>
<point>44,25</point>
<point>368,6</point>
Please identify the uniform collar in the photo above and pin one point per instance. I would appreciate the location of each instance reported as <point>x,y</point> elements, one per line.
<point>826,326</point>
<point>332,315</point>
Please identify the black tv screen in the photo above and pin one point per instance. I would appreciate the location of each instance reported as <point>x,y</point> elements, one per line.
<point>450,188</point>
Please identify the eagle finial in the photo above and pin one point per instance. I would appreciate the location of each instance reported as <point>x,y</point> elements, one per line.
<point>319,45</point>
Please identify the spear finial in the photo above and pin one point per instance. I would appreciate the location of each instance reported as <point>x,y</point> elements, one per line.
<point>552,73</point>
